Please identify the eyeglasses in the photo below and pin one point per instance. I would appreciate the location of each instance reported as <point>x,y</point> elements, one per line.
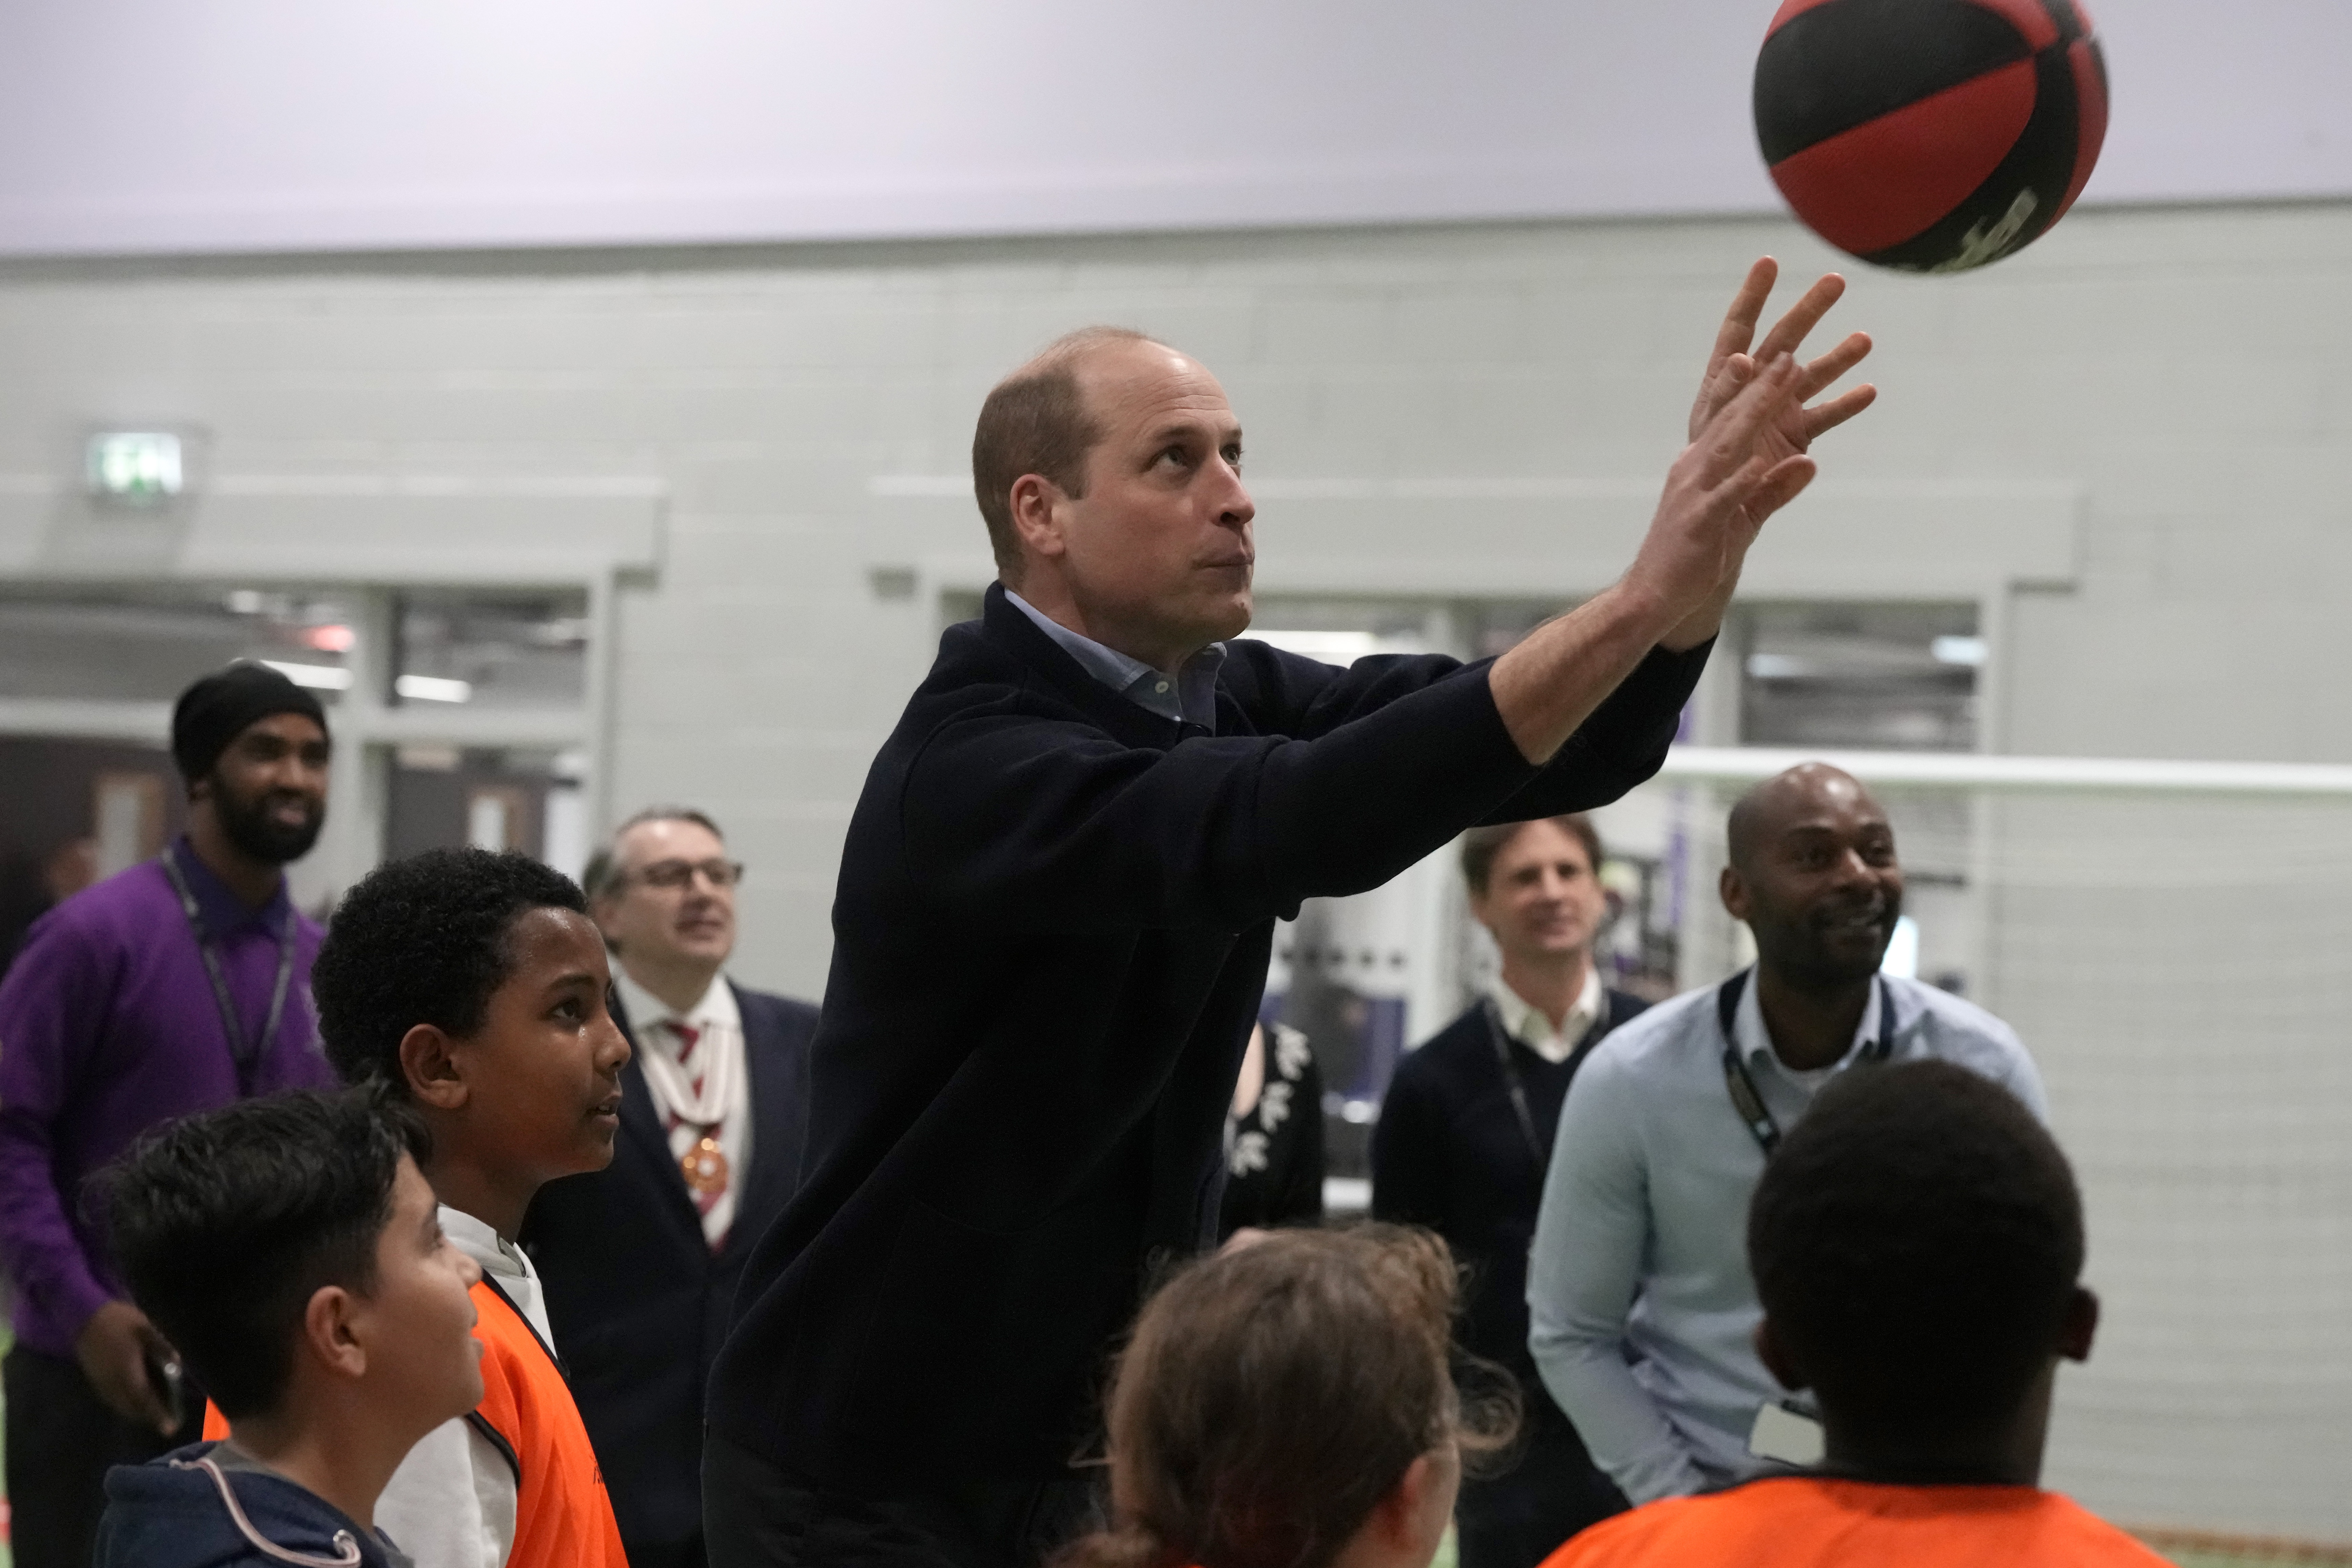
<point>676,876</point>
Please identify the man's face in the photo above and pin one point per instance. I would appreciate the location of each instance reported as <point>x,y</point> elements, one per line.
<point>269,788</point>
<point>544,1070</point>
<point>421,1352</point>
<point>1159,549</point>
<point>1822,888</point>
<point>1542,899</point>
<point>673,902</point>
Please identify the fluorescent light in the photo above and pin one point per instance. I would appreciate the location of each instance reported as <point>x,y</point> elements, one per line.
<point>1778,667</point>
<point>323,677</point>
<point>433,689</point>
<point>1344,647</point>
<point>1969,651</point>
<point>331,638</point>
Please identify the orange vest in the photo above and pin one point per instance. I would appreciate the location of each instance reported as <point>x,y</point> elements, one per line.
<point>562,1516</point>
<point>1810,1521</point>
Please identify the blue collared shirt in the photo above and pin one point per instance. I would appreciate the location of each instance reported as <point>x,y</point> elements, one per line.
<point>1189,696</point>
<point>1641,1306</point>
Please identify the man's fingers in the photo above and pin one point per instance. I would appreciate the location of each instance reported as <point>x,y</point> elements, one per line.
<point>1730,434</point>
<point>1789,332</point>
<point>1780,486</point>
<point>1738,328</point>
<point>1829,415</point>
<point>1825,370</point>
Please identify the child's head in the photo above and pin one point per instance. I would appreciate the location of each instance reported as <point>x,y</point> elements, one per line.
<point>1284,1400</point>
<point>292,1252</point>
<point>1916,1242</point>
<point>473,985</point>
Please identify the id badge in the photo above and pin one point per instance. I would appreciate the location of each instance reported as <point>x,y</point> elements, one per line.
<point>1786,1435</point>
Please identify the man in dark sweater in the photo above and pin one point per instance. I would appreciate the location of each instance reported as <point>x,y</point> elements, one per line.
<point>1054,912</point>
<point>1465,1133</point>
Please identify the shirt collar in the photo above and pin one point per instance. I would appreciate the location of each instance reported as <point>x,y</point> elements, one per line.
<point>482,1243</point>
<point>222,910</point>
<point>1190,694</point>
<point>1755,1042</point>
<point>1525,1022</point>
<point>646,1009</point>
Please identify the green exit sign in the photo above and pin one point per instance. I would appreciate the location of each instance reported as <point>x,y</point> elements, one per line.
<point>135,466</point>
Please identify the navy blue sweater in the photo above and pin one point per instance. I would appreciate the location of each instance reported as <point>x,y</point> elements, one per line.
<point>1449,1152</point>
<point>1051,934</point>
<point>169,1513</point>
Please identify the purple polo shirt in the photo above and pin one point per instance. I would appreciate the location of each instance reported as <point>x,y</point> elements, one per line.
<point>108,1027</point>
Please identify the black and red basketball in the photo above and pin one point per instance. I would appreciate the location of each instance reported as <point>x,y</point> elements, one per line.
<point>1931,135</point>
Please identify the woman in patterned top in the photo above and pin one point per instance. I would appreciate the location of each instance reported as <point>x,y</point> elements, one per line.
<point>1274,1135</point>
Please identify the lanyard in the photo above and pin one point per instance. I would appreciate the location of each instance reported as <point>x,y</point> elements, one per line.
<point>247,1056</point>
<point>1745,1099</point>
<point>1512,1081</point>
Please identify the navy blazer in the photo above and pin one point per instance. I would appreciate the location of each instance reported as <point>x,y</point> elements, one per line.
<point>638,1301</point>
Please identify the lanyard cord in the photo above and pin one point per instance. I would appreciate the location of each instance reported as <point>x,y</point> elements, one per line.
<point>247,1056</point>
<point>1745,1099</point>
<point>1512,1081</point>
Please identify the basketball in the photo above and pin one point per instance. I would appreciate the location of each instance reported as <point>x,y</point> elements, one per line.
<point>1930,135</point>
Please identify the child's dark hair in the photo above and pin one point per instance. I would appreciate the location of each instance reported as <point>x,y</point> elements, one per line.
<point>423,940</point>
<point>1272,1395</point>
<point>1916,1242</point>
<point>225,1224</point>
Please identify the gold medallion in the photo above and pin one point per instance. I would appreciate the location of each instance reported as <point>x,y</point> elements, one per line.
<point>705,1167</point>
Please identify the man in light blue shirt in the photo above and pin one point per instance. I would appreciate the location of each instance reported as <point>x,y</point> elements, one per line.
<point>1641,1305</point>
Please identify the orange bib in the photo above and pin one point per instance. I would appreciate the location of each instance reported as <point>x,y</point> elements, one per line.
<point>562,1516</point>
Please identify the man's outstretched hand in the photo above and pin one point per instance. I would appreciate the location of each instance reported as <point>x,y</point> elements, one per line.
<point>1749,431</point>
<point>1780,440</point>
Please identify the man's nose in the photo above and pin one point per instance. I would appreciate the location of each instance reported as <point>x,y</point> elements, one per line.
<point>1235,507</point>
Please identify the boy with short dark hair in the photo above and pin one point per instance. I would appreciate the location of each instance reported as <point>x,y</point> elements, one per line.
<point>1916,1242</point>
<point>471,987</point>
<point>290,1250</point>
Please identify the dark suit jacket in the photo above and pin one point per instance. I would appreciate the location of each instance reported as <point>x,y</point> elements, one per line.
<point>638,1301</point>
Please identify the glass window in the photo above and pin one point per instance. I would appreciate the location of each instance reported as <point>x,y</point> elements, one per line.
<point>129,644</point>
<point>1873,676</point>
<point>520,650</point>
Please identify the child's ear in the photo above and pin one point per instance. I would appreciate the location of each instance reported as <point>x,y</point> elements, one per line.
<point>328,1325</point>
<point>430,1066</point>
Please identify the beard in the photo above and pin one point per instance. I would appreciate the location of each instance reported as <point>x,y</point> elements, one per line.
<point>248,824</point>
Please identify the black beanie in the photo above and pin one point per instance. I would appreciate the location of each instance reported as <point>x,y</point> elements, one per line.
<point>217,708</point>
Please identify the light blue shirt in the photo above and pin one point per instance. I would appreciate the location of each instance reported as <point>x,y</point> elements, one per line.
<point>1641,1306</point>
<point>1190,694</point>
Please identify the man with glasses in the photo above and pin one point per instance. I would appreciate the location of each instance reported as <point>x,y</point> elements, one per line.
<point>639,1261</point>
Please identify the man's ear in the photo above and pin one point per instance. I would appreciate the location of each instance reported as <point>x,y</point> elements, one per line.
<point>1733,887</point>
<point>1037,504</point>
<point>332,1335</point>
<point>430,1066</point>
<point>2081,1325</point>
<point>1776,1357</point>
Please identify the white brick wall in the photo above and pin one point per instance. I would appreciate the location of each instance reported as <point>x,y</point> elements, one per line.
<point>2181,371</point>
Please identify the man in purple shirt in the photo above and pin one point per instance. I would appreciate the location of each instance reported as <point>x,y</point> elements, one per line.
<point>176,987</point>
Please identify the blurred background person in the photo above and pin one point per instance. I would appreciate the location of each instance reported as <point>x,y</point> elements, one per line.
<point>1465,1135</point>
<point>1274,1135</point>
<point>639,1261</point>
<point>178,985</point>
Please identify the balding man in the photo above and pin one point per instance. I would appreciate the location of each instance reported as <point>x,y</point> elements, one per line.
<point>1056,908</point>
<point>1641,1308</point>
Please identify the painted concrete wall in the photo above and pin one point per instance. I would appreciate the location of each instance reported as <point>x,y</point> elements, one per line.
<point>2129,444</point>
